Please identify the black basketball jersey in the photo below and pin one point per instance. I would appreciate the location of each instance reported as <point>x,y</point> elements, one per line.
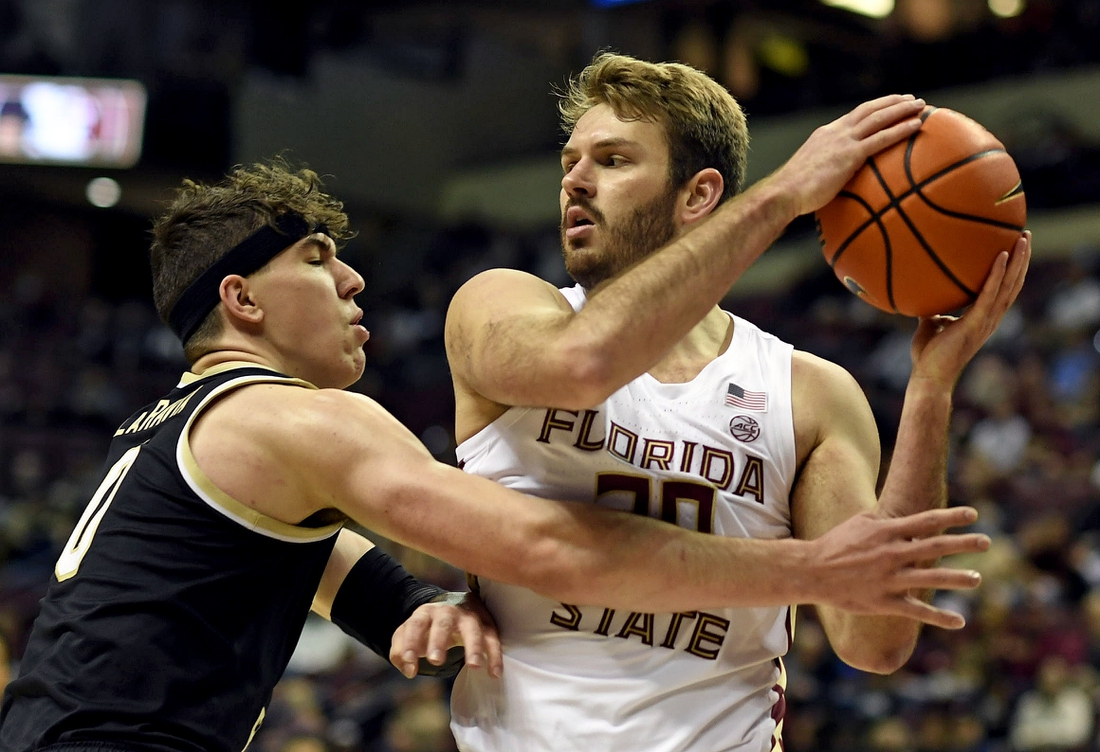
<point>173,609</point>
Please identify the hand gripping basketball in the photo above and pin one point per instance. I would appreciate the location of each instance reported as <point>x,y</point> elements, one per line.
<point>917,228</point>
<point>833,152</point>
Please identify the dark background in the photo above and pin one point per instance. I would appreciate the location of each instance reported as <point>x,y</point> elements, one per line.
<point>435,123</point>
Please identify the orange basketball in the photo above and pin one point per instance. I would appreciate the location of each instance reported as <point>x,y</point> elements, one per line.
<point>917,228</point>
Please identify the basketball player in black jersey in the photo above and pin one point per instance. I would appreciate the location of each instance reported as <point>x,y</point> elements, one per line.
<point>182,590</point>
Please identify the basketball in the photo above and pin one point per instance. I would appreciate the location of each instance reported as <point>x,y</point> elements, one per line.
<point>917,228</point>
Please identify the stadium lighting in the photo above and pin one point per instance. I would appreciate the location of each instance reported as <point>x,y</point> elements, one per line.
<point>103,192</point>
<point>1006,8</point>
<point>872,8</point>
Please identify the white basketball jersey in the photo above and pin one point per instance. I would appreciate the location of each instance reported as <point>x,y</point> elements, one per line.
<point>715,454</point>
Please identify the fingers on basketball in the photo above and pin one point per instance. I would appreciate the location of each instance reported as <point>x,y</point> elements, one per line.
<point>917,229</point>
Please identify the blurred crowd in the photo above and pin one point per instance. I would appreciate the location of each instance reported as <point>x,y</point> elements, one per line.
<point>1023,675</point>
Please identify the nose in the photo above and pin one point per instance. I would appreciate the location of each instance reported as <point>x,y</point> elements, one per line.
<point>578,181</point>
<point>349,283</point>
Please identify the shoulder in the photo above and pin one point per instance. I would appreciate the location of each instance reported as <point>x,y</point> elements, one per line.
<point>504,289</point>
<point>764,340</point>
<point>287,451</point>
<point>810,371</point>
<point>499,302</point>
<point>827,401</point>
<point>293,419</point>
<point>500,282</point>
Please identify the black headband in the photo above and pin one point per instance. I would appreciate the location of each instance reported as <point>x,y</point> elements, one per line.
<point>202,295</point>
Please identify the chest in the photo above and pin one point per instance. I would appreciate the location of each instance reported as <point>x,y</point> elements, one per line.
<point>689,459</point>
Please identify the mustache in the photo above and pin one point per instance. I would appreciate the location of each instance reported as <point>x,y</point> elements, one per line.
<point>583,203</point>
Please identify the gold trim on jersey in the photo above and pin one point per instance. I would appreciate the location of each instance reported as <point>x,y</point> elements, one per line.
<point>190,377</point>
<point>255,728</point>
<point>222,502</point>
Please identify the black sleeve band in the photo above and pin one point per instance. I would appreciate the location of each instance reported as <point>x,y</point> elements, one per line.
<point>376,597</point>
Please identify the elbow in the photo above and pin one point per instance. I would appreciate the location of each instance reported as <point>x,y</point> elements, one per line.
<point>875,644</point>
<point>874,659</point>
<point>589,374</point>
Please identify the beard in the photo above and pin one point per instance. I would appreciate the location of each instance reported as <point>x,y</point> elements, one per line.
<point>643,231</point>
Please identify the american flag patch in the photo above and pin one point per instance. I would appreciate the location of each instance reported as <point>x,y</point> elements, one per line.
<point>743,398</point>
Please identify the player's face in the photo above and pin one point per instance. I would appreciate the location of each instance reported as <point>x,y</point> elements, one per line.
<point>617,205</point>
<point>310,316</point>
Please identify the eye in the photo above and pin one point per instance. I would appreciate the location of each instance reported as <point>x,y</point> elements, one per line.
<point>616,160</point>
<point>567,166</point>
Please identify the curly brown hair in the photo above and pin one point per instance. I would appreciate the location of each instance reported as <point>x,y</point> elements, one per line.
<point>204,221</point>
<point>703,123</point>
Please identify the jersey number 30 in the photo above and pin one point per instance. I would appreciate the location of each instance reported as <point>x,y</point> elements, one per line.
<point>82,535</point>
<point>674,495</point>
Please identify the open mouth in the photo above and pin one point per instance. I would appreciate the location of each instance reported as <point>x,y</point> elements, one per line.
<point>577,223</point>
<point>575,216</point>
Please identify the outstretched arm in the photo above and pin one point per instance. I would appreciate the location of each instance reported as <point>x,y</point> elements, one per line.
<point>288,452</point>
<point>512,339</point>
<point>360,459</point>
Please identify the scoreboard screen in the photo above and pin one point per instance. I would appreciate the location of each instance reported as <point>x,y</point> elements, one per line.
<point>71,121</point>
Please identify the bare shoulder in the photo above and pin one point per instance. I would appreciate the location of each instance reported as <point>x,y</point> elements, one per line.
<point>810,372</point>
<point>491,300</point>
<point>500,293</point>
<point>826,400</point>
<point>301,420</point>
<point>502,282</point>
<point>500,326</point>
<point>274,447</point>
<point>270,410</point>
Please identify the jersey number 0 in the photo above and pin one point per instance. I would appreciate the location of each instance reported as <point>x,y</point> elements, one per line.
<point>82,534</point>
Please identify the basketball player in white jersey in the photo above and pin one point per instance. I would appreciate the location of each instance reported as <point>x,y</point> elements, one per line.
<point>633,390</point>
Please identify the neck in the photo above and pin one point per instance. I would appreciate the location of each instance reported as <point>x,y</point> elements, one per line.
<point>706,341</point>
<point>223,355</point>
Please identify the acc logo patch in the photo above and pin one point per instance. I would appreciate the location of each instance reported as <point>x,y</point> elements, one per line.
<point>743,428</point>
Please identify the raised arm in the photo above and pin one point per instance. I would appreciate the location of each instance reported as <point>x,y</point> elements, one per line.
<point>836,483</point>
<point>837,479</point>
<point>514,341</point>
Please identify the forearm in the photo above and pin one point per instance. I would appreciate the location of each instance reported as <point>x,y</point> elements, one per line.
<point>582,553</point>
<point>916,480</point>
<point>644,565</point>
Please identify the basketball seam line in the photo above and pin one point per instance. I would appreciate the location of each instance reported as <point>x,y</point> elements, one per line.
<point>876,219</point>
<point>914,189</point>
<point>895,203</point>
<point>917,189</point>
<point>887,248</point>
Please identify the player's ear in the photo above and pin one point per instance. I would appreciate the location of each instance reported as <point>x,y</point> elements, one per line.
<point>240,304</point>
<point>701,195</point>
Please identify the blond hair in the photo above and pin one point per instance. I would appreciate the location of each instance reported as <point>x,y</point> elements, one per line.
<point>703,123</point>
